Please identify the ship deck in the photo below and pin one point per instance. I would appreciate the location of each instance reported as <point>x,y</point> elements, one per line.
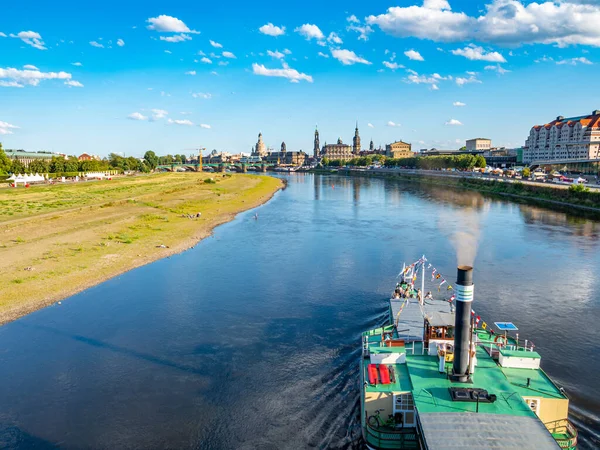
<point>410,321</point>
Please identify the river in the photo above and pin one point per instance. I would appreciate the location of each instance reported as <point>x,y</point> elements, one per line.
<point>252,339</point>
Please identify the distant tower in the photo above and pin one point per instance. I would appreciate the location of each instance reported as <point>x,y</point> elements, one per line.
<point>283,149</point>
<point>356,141</point>
<point>317,147</point>
<point>283,153</point>
<point>260,147</point>
<point>371,146</point>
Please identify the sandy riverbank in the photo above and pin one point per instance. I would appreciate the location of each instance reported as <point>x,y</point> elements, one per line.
<point>58,240</point>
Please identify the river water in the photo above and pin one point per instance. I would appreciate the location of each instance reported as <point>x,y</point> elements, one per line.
<point>252,338</point>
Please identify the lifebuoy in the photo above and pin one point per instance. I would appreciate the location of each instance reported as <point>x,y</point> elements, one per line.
<point>497,338</point>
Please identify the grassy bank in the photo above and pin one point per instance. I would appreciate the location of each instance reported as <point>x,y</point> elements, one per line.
<point>558,195</point>
<point>58,240</point>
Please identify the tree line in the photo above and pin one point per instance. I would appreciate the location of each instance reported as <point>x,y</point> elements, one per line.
<point>59,165</point>
<point>460,162</point>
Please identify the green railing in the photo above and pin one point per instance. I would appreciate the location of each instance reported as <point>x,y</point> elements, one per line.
<point>564,433</point>
<point>386,437</point>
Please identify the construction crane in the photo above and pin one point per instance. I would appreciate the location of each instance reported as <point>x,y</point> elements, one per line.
<point>199,150</point>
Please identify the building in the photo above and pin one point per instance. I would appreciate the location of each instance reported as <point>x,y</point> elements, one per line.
<point>339,151</point>
<point>260,149</point>
<point>398,149</point>
<point>571,138</point>
<point>27,157</point>
<point>317,146</point>
<point>294,158</point>
<point>356,141</point>
<point>479,144</point>
<point>86,157</point>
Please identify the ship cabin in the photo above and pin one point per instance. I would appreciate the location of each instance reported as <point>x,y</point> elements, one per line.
<point>438,332</point>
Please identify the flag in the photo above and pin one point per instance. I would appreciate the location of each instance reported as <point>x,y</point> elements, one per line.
<point>437,276</point>
<point>442,283</point>
<point>449,287</point>
<point>484,325</point>
<point>429,266</point>
<point>477,321</point>
<point>452,298</point>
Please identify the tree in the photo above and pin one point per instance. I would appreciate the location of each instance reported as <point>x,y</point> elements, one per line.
<point>151,159</point>
<point>481,162</point>
<point>72,164</point>
<point>38,166</point>
<point>526,172</point>
<point>57,164</point>
<point>5,163</point>
<point>17,167</point>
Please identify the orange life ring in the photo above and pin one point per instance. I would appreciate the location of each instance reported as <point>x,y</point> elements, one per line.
<point>500,344</point>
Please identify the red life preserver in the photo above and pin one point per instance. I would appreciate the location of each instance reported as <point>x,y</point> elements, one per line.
<point>498,337</point>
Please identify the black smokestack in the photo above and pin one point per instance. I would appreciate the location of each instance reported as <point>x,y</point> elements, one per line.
<point>462,321</point>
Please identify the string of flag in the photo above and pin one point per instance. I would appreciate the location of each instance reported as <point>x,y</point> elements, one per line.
<point>410,272</point>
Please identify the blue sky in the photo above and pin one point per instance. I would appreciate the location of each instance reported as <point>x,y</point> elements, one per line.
<point>432,72</point>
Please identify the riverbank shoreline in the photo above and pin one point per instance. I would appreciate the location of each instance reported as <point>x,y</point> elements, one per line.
<point>51,256</point>
<point>525,192</point>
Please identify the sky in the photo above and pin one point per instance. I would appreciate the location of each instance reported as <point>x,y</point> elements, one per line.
<point>127,77</point>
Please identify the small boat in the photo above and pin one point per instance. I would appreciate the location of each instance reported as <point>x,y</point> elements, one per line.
<point>437,376</point>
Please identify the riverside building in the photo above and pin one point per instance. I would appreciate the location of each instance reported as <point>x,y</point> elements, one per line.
<point>564,139</point>
<point>338,151</point>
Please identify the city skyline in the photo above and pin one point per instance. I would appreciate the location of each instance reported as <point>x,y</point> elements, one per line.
<point>130,78</point>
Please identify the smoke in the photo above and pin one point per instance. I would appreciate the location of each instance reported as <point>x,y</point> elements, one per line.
<point>463,226</point>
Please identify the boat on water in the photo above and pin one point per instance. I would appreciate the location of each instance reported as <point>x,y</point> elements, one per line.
<point>437,376</point>
<point>285,169</point>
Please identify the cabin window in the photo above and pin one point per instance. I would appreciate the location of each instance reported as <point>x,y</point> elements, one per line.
<point>534,404</point>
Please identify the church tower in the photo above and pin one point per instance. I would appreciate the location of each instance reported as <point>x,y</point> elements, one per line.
<point>356,141</point>
<point>260,146</point>
<point>371,146</point>
<point>317,147</point>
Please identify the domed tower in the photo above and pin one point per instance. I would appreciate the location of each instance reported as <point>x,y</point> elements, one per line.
<point>356,141</point>
<point>371,146</point>
<point>260,146</point>
<point>317,147</point>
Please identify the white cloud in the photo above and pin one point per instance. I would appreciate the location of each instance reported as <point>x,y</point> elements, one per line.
<point>506,22</point>
<point>434,87</point>
<point>137,116</point>
<point>2,34</point>
<point>180,122</point>
<point>159,114</point>
<point>191,72</point>
<point>353,19</point>
<point>310,31</point>
<point>370,125</point>
<point>393,124</point>
<point>168,51</point>
<point>347,57</point>
<point>96,44</point>
<point>324,55</point>
<point>434,79</point>
<point>363,31</point>
<point>475,53</point>
<point>30,67</point>
<point>459,104</point>
<point>286,72</point>
<point>276,54</point>
<point>392,65</point>
<point>73,83</point>
<point>205,60</point>
<point>214,73</point>
<point>333,37</point>
<point>120,42</point>
<point>223,63</point>
<point>6,128</point>
<point>20,78</point>
<point>30,38</point>
<point>462,81</point>
<point>168,24</point>
<point>205,126</point>
<point>453,122</point>
<point>272,30</point>
<point>575,61</point>
<point>201,95</point>
<point>498,68</point>
<point>414,55</point>
<point>229,55</point>
<point>78,64</point>
<point>215,44</point>
<point>176,38</point>
<point>287,51</point>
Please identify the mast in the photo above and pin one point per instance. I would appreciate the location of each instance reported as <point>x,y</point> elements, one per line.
<point>423,282</point>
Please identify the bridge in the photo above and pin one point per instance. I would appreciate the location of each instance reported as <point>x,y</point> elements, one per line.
<point>217,167</point>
